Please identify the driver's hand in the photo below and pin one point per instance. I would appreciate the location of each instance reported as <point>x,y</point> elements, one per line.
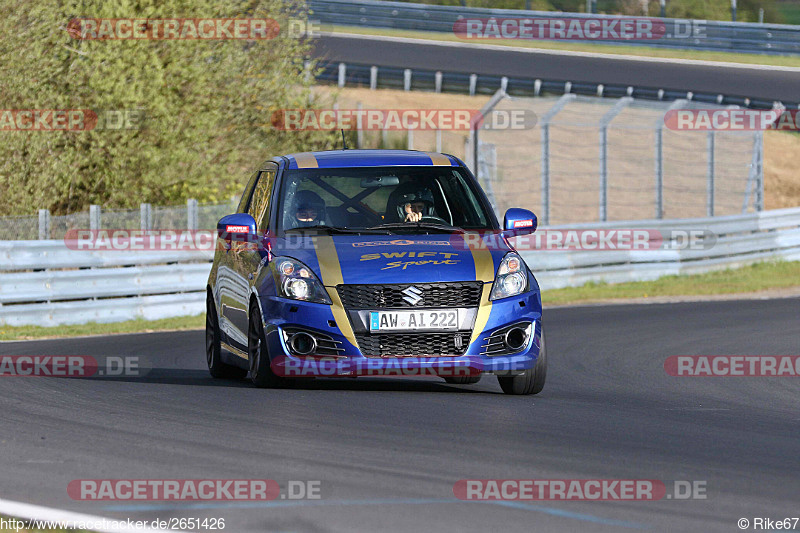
<point>411,216</point>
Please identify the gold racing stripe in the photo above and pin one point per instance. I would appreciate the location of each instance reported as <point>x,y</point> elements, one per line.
<point>439,160</point>
<point>331,271</point>
<point>484,271</point>
<point>306,160</point>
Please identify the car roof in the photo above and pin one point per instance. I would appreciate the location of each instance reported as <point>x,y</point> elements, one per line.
<point>369,158</point>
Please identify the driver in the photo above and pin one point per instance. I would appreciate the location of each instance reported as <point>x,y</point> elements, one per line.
<point>309,209</point>
<point>415,204</point>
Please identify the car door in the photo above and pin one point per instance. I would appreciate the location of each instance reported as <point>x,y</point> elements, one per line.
<point>243,260</point>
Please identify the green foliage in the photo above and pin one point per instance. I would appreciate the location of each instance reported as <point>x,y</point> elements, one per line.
<point>206,105</point>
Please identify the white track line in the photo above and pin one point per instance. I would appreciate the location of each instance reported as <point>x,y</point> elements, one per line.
<point>36,512</point>
<point>624,57</point>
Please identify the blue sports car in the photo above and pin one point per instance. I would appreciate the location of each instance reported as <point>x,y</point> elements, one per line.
<point>372,262</point>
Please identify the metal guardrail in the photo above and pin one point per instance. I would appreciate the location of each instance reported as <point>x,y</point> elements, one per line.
<point>39,284</point>
<point>381,77</point>
<point>716,35</point>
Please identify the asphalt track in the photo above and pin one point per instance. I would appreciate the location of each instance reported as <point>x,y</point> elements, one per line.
<point>388,451</point>
<point>755,82</point>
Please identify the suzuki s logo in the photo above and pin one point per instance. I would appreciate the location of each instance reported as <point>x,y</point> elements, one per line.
<point>412,295</point>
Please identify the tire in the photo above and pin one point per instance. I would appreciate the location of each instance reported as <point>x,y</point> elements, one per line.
<point>216,367</point>
<point>261,373</point>
<point>532,380</point>
<point>463,380</point>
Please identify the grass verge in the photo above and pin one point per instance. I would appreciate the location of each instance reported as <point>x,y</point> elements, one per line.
<point>750,279</point>
<point>93,328</point>
<point>643,51</point>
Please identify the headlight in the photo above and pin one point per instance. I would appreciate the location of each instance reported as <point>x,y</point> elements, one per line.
<point>511,279</point>
<point>298,282</point>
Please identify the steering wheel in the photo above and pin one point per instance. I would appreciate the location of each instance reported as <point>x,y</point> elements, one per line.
<point>432,218</point>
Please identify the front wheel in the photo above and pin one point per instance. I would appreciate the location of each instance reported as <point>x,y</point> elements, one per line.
<point>532,380</point>
<point>261,373</point>
<point>216,367</point>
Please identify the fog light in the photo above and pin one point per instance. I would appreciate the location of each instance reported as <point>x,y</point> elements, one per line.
<point>303,343</point>
<point>515,338</point>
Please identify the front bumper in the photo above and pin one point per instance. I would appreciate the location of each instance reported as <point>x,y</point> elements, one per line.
<point>281,314</point>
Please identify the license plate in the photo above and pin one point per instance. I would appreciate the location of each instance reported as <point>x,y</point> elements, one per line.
<point>412,320</point>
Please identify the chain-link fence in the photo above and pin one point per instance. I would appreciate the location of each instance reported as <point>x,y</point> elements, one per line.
<point>46,226</point>
<point>591,159</point>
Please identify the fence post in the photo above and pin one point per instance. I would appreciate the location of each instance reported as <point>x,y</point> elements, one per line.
<point>545,122</point>
<point>373,77</point>
<point>621,104</point>
<point>145,217</point>
<point>439,141</point>
<point>95,222</point>
<point>438,81</point>
<point>407,79</point>
<point>410,139</point>
<point>711,145</point>
<point>760,171</point>
<point>659,162</point>
<point>473,84</point>
<point>191,214</point>
<point>359,127</point>
<point>44,224</point>
<point>342,74</point>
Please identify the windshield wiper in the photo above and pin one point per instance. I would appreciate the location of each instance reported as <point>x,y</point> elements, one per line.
<point>429,226</point>
<point>348,231</point>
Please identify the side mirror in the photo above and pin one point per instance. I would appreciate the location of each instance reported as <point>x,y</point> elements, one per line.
<point>239,227</point>
<point>519,222</point>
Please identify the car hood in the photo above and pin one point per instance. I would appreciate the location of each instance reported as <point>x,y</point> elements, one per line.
<point>370,259</point>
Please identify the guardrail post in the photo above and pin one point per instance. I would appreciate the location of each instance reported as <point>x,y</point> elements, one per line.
<point>439,141</point>
<point>191,214</point>
<point>373,77</point>
<point>145,217</point>
<point>44,224</point>
<point>342,74</point>
<point>438,81</point>
<point>473,84</point>
<point>307,70</point>
<point>504,83</point>
<point>407,79</point>
<point>410,138</point>
<point>711,144</point>
<point>94,217</point>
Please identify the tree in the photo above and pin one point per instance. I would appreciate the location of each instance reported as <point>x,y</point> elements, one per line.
<point>205,104</point>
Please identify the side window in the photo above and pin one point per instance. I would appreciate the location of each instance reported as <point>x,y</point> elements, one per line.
<point>248,190</point>
<point>259,206</point>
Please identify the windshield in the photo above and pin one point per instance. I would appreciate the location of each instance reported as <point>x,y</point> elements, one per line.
<point>397,199</point>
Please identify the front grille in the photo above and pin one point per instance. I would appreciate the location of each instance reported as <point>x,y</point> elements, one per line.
<point>412,344</point>
<point>458,294</point>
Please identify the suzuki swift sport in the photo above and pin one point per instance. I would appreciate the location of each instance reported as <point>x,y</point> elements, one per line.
<point>372,262</point>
